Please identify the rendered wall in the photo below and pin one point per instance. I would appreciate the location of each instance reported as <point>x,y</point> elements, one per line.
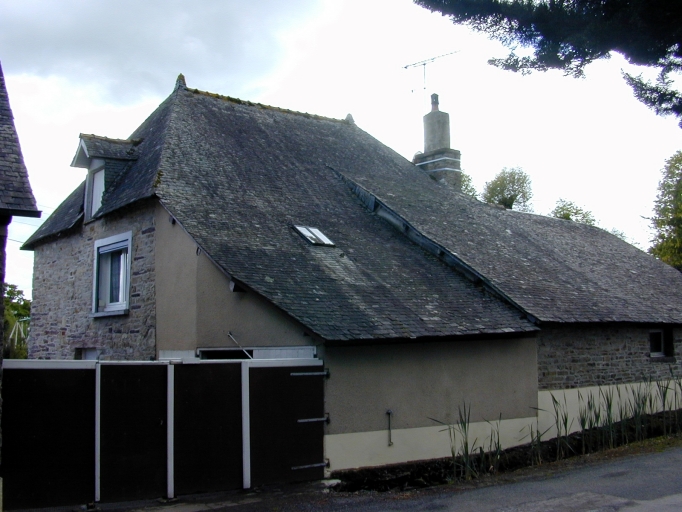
<point>418,382</point>
<point>573,356</point>
<point>62,292</point>
<point>195,307</point>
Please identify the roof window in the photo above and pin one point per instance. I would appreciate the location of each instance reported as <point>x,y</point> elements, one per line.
<point>314,236</point>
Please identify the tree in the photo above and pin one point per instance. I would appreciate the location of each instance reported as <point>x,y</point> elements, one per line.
<point>468,186</point>
<point>510,188</point>
<point>570,211</point>
<point>667,220</point>
<point>17,310</point>
<point>570,34</point>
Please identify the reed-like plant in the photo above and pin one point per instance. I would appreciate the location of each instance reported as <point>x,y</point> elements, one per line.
<point>638,407</point>
<point>593,420</point>
<point>467,448</point>
<point>623,417</point>
<point>608,428</point>
<point>563,426</point>
<point>678,400</point>
<point>662,387</point>
<point>494,447</point>
<point>582,419</point>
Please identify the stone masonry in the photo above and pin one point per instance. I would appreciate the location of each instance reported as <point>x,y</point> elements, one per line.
<point>572,357</point>
<point>61,318</point>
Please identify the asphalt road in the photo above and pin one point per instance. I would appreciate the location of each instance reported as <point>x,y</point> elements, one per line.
<point>647,482</point>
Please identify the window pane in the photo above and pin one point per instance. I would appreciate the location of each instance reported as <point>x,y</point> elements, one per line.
<point>115,276</point>
<point>656,342</point>
<point>97,190</point>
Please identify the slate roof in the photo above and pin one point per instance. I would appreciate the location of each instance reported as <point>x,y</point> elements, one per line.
<point>16,197</point>
<point>238,175</point>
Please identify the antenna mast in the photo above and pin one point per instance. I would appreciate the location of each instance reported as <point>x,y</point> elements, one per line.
<point>423,63</point>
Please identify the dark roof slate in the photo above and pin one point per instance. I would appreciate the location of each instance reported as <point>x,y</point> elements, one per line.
<point>238,175</point>
<point>555,270</point>
<point>209,161</point>
<point>65,217</point>
<point>16,196</point>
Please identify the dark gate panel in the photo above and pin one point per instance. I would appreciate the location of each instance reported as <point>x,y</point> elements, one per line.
<point>279,442</point>
<point>48,428</point>
<point>208,428</point>
<point>133,432</point>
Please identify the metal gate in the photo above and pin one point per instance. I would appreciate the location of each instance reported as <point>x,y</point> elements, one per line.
<point>75,432</point>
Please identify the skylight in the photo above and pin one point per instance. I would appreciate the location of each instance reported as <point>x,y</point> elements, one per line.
<point>314,236</point>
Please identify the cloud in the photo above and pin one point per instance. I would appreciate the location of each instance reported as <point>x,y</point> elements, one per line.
<point>133,49</point>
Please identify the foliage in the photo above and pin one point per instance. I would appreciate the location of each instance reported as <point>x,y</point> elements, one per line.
<point>570,34</point>
<point>510,188</point>
<point>667,220</point>
<point>17,309</point>
<point>568,210</point>
<point>468,186</point>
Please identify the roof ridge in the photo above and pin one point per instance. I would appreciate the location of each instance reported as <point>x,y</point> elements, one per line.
<point>348,120</point>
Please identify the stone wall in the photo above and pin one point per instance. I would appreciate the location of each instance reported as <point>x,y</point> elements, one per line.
<point>61,311</point>
<point>571,357</point>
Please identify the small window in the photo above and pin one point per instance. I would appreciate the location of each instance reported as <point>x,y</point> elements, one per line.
<point>656,343</point>
<point>661,343</point>
<point>112,274</point>
<point>87,354</point>
<point>314,236</point>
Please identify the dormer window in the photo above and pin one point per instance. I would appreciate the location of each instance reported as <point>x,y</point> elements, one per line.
<point>92,154</point>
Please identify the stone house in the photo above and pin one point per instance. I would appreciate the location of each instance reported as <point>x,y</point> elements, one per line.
<point>224,229</point>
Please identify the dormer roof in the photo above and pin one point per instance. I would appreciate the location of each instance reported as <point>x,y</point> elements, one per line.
<point>94,146</point>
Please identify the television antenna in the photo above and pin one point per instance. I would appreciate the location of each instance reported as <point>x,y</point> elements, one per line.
<point>423,63</point>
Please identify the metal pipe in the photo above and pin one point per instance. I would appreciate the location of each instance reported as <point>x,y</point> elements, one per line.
<point>389,413</point>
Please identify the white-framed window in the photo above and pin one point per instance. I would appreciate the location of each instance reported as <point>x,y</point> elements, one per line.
<point>112,275</point>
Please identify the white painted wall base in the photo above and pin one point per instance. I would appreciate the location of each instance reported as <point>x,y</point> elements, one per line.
<point>367,449</point>
<point>569,400</point>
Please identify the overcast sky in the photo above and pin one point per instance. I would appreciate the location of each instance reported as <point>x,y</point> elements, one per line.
<point>83,66</point>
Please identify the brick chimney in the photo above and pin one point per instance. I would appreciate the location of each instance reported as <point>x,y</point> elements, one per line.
<point>440,161</point>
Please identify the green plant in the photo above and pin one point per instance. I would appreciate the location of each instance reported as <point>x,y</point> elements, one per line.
<point>662,388</point>
<point>609,422</point>
<point>494,447</point>
<point>466,449</point>
<point>563,427</point>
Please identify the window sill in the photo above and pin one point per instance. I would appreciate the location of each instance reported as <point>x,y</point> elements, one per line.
<point>119,312</point>
<point>662,359</point>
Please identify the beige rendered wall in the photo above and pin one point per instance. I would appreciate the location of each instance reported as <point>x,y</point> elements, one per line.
<point>418,381</point>
<point>195,307</point>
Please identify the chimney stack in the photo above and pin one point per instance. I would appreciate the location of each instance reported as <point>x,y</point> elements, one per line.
<point>440,161</point>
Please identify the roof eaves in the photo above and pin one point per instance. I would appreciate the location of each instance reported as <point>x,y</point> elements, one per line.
<point>19,212</point>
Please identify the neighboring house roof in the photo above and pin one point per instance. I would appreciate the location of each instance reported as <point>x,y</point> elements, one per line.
<point>16,197</point>
<point>238,175</point>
